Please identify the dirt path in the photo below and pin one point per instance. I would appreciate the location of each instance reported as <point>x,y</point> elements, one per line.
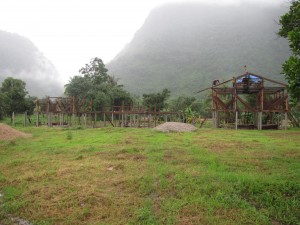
<point>9,133</point>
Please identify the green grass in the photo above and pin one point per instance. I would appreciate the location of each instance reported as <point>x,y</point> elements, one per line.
<point>139,176</point>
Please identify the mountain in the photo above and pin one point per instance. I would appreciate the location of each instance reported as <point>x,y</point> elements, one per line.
<point>20,58</point>
<point>185,46</point>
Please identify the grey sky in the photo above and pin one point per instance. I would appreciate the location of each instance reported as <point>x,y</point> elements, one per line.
<point>71,32</point>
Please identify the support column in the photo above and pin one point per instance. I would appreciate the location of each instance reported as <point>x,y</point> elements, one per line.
<point>61,120</point>
<point>236,119</point>
<point>104,120</point>
<point>217,119</point>
<point>84,119</point>
<point>259,121</point>
<point>49,119</point>
<point>285,120</point>
<point>122,116</point>
<point>37,118</point>
<point>13,119</point>
<point>25,119</point>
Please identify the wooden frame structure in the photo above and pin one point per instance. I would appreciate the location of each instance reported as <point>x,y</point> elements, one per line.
<point>69,111</point>
<point>250,101</point>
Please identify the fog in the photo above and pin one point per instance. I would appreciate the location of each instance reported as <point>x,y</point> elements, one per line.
<point>69,33</point>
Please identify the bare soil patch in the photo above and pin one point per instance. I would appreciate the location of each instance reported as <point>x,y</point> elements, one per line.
<point>9,133</point>
<point>175,127</point>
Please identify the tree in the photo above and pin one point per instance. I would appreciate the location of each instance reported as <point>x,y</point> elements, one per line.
<point>95,71</point>
<point>156,100</point>
<point>13,94</point>
<point>3,105</point>
<point>290,29</point>
<point>181,103</point>
<point>95,83</point>
<point>78,86</point>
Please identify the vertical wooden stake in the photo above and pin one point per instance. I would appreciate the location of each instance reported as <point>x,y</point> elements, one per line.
<point>104,119</point>
<point>13,119</point>
<point>236,119</point>
<point>37,119</point>
<point>25,118</point>
<point>285,120</point>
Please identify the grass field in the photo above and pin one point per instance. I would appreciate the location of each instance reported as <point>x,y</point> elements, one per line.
<point>140,176</point>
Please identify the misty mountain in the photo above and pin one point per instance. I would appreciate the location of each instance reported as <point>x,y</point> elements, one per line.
<point>185,46</point>
<point>20,58</point>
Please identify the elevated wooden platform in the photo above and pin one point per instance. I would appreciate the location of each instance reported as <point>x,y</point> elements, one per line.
<point>262,100</point>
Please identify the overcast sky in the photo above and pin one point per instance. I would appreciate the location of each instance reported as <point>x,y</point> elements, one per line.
<point>71,32</point>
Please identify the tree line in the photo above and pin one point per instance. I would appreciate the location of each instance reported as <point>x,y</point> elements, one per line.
<point>93,82</point>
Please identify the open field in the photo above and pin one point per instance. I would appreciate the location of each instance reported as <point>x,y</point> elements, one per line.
<point>141,176</point>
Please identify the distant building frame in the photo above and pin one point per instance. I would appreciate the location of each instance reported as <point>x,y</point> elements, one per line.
<point>251,101</point>
<point>71,111</point>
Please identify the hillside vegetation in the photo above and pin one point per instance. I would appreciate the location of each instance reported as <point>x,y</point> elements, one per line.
<point>183,47</point>
<point>140,176</point>
<point>20,58</point>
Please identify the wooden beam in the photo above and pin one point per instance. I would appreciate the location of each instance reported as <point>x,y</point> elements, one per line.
<point>246,104</point>
<point>220,102</point>
<point>215,85</point>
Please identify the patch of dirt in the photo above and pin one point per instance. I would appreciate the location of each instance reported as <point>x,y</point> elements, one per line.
<point>192,214</point>
<point>282,133</point>
<point>224,146</point>
<point>9,133</point>
<point>175,127</point>
<point>130,156</point>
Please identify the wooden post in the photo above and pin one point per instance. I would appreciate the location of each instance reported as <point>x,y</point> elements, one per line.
<point>122,115</point>
<point>37,111</point>
<point>235,104</point>
<point>37,118</point>
<point>73,112</point>
<point>236,119</point>
<point>262,97</point>
<point>214,119</point>
<point>217,119</point>
<point>149,120</point>
<point>49,119</point>
<point>130,117</point>
<point>104,120</point>
<point>84,119</point>
<point>155,116</point>
<point>286,103</point>
<point>73,104</point>
<point>285,120</point>
<point>61,119</point>
<point>259,120</point>
<point>13,119</point>
<point>48,104</point>
<point>25,118</point>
